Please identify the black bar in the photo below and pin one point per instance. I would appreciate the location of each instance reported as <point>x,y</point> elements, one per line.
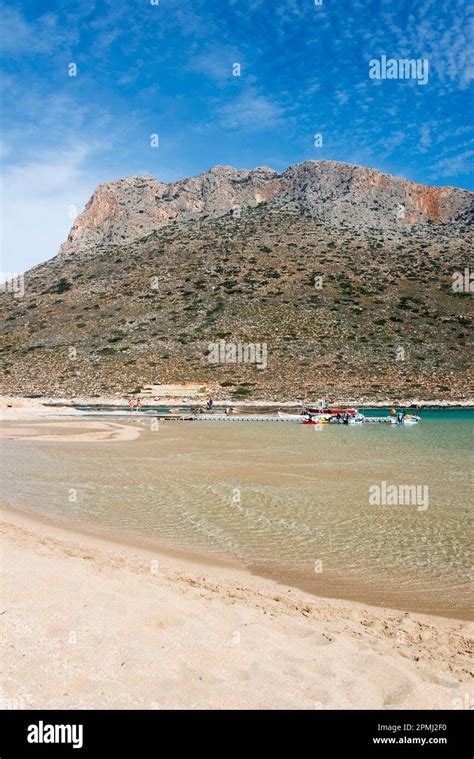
<point>323,733</point>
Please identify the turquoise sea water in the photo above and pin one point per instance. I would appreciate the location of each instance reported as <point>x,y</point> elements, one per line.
<point>293,502</point>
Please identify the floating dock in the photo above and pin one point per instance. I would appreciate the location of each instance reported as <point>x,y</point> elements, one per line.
<point>146,413</point>
<point>260,418</point>
<point>237,418</point>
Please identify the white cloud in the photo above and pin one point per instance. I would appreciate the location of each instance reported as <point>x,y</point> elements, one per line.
<point>342,97</point>
<point>425,138</point>
<point>35,205</point>
<point>42,36</point>
<point>454,165</point>
<point>251,112</point>
<point>216,63</point>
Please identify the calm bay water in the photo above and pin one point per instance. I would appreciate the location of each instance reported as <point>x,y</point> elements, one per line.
<point>291,501</point>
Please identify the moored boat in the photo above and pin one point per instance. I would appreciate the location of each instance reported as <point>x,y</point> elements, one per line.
<point>333,411</point>
<point>408,420</point>
<point>323,418</point>
<point>357,419</point>
<point>302,417</point>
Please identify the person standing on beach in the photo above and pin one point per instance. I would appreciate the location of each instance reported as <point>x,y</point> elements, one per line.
<point>139,404</point>
<point>131,404</point>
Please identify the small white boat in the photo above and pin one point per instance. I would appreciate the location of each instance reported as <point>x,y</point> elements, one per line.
<point>407,420</point>
<point>357,419</point>
<point>302,417</point>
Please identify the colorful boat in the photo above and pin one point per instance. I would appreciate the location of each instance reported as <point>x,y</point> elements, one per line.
<point>323,418</point>
<point>333,411</point>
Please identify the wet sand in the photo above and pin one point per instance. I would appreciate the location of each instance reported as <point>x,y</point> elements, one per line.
<point>94,624</point>
<point>61,423</point>
<point>71,431</point>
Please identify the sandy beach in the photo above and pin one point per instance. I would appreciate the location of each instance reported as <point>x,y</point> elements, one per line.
<point>51,424</point>
<point>55,430</point>
<point>89,623</point>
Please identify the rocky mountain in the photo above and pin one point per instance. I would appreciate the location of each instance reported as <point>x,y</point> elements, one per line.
<point>345,274</point>
<point>338,194</point>
<point>127,209</point>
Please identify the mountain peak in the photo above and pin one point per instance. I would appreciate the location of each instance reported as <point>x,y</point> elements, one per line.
<point>337,194</point>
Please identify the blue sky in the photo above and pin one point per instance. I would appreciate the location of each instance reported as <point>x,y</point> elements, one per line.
<point>168,69</point>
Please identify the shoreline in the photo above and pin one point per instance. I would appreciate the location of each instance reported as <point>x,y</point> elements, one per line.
<point>55,410</point>
<point>61,405</point>
<point>202,559</point>
<point>113,632</point>
<point>186,555</point>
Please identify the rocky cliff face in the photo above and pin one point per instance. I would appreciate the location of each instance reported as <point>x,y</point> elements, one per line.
<point>343,194</point>
<point>128,209</point>
<point>337,194</point>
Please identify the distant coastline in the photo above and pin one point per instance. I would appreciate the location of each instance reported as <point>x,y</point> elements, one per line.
<point>363,403</point>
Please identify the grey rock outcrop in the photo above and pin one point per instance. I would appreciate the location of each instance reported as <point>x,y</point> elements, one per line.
<point>337,194</point>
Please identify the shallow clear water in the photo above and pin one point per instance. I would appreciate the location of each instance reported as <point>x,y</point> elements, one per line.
<point>291,501</point>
